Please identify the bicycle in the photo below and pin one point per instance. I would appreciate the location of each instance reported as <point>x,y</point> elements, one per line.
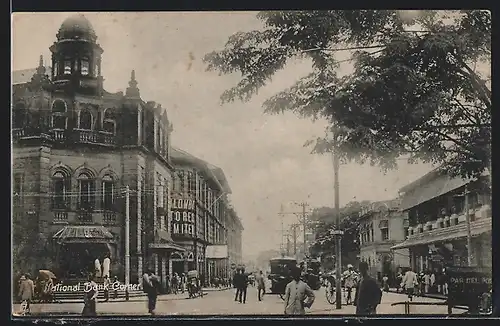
<point>330,292</point>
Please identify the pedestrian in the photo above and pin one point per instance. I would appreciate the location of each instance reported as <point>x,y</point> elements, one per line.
<point>298,295</point>
<point>90,297</point>
<point>350,280</point>
<point>116,282</point>
<point>106,265</point>
<point>97,268</point>
<point>445,283</point>
<point>150,286</point>
<point>107,285</point>
<point>409,283</point>
<point>368,294</point>
<point>432,280</point>
<point>385,283</point>
<point>243,286</point>
<point>260,285</point>
<point>399,279</point>
<point>427,282</point>
<point>175,283</point>
<point>26,292</point>
<point>237,283</point>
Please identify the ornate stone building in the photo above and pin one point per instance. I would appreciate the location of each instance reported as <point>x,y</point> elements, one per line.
<point>76,147</point>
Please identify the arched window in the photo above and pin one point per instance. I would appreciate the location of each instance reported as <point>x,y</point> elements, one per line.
<point>61,186</point>
<point>59,114</point>
<point>109,123</point>
<point>19,116</point>
<point>67,67</point>
<point>176,255</point>
<point>85,191</point>
<point>107,193</point>
<point>85,120</point>
<point>85,67</point>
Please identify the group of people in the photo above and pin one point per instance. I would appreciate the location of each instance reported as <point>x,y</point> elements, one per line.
<point>241,280</point>
<point>423,283</point>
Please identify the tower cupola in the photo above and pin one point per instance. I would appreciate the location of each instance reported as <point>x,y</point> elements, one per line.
<point>76,56</point>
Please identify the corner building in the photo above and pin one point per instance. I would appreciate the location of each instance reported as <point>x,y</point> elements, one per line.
<point>76,148</point>
<point>201,216</point>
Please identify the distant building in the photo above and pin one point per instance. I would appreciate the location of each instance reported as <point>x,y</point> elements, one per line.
<point>382,225</point>
<point>437,237</point>
<point>202,216</point>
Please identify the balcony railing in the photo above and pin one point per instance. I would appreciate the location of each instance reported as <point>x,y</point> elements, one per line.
<point>63,136</point>
<point>448,221</point>
<point>60,217</point>
<point>84,217</point>
<point>109,217</point>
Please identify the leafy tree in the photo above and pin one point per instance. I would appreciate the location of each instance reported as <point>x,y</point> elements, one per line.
<point>349,215</point>
<point>413,90</point>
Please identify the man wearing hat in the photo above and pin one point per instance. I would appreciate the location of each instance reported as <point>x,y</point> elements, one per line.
<point>298,295</point>
<point>350,281</point>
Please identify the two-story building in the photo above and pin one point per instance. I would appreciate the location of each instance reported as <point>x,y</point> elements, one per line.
<point>381,226</point>
<point>76,149</point>
<point>202,216</point>
<point>437,237</point>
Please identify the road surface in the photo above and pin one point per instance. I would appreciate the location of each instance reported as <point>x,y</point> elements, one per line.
<point>222,303</point>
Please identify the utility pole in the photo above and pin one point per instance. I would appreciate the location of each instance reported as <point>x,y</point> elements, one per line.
<point>336,167</point>
<point>288,245</point>
<point>465,194</point>
<point>294,228</point>
<point>304,225</point>
<point>469,235</point>
<point>281,214</point>
<point>127,239</point>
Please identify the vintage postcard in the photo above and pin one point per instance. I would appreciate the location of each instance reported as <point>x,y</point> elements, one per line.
<point>332,163</point>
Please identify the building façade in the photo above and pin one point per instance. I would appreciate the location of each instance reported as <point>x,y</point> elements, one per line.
<point>202,216</point>
<point>76,148</point>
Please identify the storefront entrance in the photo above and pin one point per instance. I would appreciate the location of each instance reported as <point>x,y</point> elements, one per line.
<point>76,260</point>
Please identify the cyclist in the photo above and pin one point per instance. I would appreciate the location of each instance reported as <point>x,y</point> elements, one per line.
<point>350,281</point>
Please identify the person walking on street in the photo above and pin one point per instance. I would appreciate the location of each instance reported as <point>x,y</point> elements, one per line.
<point>432,284</point>
<point>237,284</point>
<point>261,287</point>
<point>150,285</point>
<point>26,292</point>
<point>350,277</point>
<point>298,295</point>
<point>368,294</point>
<point>115,281</point>
<point>427,282</point>
<point>244,286</point>
<point>90,297</point>
<point>385,283</point>
<point>107,285</point>
<point>409,282</point>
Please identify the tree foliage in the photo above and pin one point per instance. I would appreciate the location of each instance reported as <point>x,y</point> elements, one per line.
<point>413,89</point>
<point>349,223</point>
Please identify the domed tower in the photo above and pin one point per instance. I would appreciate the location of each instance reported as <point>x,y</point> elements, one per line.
<point>76,56</point>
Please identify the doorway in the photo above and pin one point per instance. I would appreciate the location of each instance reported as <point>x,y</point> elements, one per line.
<point>77,259</point>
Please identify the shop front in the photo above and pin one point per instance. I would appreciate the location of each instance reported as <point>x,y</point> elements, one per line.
<point>77,248</point>
<point>163,249</point>
<point>434,250</point>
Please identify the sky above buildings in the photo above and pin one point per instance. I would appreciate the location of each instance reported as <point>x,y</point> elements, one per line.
<point>262,156</point>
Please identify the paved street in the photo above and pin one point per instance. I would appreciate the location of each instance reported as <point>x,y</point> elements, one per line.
<point>222,303</point>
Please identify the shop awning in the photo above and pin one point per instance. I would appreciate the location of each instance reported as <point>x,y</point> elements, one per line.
<point>83,234</point>
<point>163,240</point>
<point>434,188</point>
<point>446,234</point>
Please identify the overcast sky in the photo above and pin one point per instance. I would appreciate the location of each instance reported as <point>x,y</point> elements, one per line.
<point>262,156</point>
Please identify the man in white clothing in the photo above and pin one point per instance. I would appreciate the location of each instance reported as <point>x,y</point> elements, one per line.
<point>409,282</point>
